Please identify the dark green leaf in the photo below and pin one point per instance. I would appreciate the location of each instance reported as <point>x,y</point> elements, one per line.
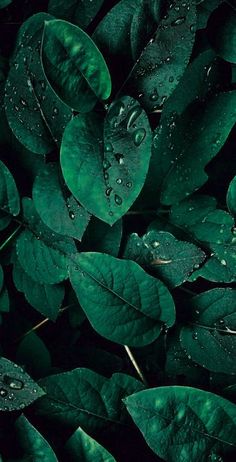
<point>204,11</point>
<point>56,206</point>
<point>9,197</point>
<point>81,446</point>
<point>74,66</point>
<point>210,339</point>
<point>231,197</point>
<point>33,443</point>
<point>222,32</point>
<point>35,114</point>
<point>122,302</point>
<point>176,425</point>
<point>115,156</point>
<point>144,23</point>
<point>17,389</point>
<point>79,12</point>
<point>82,397</point>
<point>101,237</point>
<point>4,3</point>
<point>33,354</point>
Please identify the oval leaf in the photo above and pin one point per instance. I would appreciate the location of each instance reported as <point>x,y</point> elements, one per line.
<point>81,446</point>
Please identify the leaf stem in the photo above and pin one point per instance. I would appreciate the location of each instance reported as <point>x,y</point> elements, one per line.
<point>135,365</point>
<point>227,330</point>
<point>9,238</point>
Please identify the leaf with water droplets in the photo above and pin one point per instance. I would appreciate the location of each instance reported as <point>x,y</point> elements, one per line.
<point>231,197</point>
<point>43,254</point>
<point>222,32</point>
<point>81,446</point>
<point>17,389</point>
<point>114,154</point>
<point>81,397</point>
<point>74,66</point>
<point>9,197</point>
<point>78,12</point>
<point>122,302</point>
<point>162,63</point>
<point>210,337</point>
<point>171,260</point>
<point>56,206</point>
<point>34,113</point>
<point>34,445</point>
<point>175,422</point>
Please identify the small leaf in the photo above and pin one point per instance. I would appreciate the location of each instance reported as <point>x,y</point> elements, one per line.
<point>123,303</point>
<point>210,339</point>
<point>9,197</point>
<point>35,447</point>
<point>81,446</point>
<point>170,259</point>
<point>83,397</point>
<point>78,12</point>
<point>56,206</point>
<point>231,197</point>
<point>221,32</point>
<point>115,155</point>
<point>17,389</point>
<point>74,66</point>
<point>175,422</point>
<point>101,237</point>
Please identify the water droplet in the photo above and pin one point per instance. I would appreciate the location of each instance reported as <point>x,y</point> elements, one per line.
<point>111,213</point>
<point>71,215</point>
<point>171,79</point>
<point>129,184</point>
<point>23,102</point>
<point>140,95</point>
<point>16,108</point>
<point>14,384</point>
<point>155,244</point>
<point>3,392</point>
<point>119,181</point>
<point>120,158</point>
<point>42,84</point>
<point>118,200</point>
<point>133,116</point>
<point>55,111</point>
<point>223,262</point>
<point>108,147</point>
<point>192,28</point>
<point>222,322</point>
<point>106,176</point>
<point>106,164</point>
<point>139,136</point>
<point>108,191</point>
<point>154,95</point>
<point>178,21</point>
<point>194,336</point>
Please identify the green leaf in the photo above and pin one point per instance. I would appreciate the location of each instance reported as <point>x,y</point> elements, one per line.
<point>34,113</point>
<point>84,398</point>
<point>74,66</point>
<point>115,156</point>
<point>9,196</point>
<point>34,355</point>
<point>4,3</point>
<point>81,446</point>
<point>122,302</point>
<point>101,237</point>
<point>163,61</point>
<point>210,339</point>
<point>35,447</point>
<point>56,206</point>
<point>17,389</point>
<point>45,298</point>
<point>183,169</point>
<point>171,260</point>
<point>43,254</point>
<point>144,23</point>
<point>221,32</point>
<point>78,12</point>
<point>204,10</point>
<point>231,197</point>
<point>176,425</point>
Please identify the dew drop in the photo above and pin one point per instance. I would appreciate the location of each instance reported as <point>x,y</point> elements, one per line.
<point>106,164</point>
<point>192,28</point>
<point>23,102</point>
<point>55,111</point>
<point>3,392</point>
<point>194,336</point>
<point>14,384</point>
<point>111,213</point>
<point>223,262</point>
<point>155,244</point>
<point>139,136</point>
<point>71,215</point>
<point>108,191</point>
<point>118,200</point>
<point>106,176</point>
<point>119,181</point>
<point>129,184</point>
<point>108,147</point>
<point>154,95</point>
<point>178,21</point>
<point>171,79</point>
<point>133,116</point>
<point>120,158</point>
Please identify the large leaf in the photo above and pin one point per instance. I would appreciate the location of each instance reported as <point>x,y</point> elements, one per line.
<point>56,206</point>
<point>122,302</point>
<point>45,298</point>
<point>144,23</point>
<point>74,66</point>
<point>78,12</point>
<point>43,254</point>
<point>35,447</point>
<point>84,398</point>
<point>182,423</point>
<point>162,63</point>
<point>115,156</point>
<point>222,32</point>
<point>9,197</point>
<point>81,446</point>
<point>183,169</point>
<point>210,337</point>
<point>172,260</point>
<point>231,197</point>
<point>17,389</point>
<point>35,114</point>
